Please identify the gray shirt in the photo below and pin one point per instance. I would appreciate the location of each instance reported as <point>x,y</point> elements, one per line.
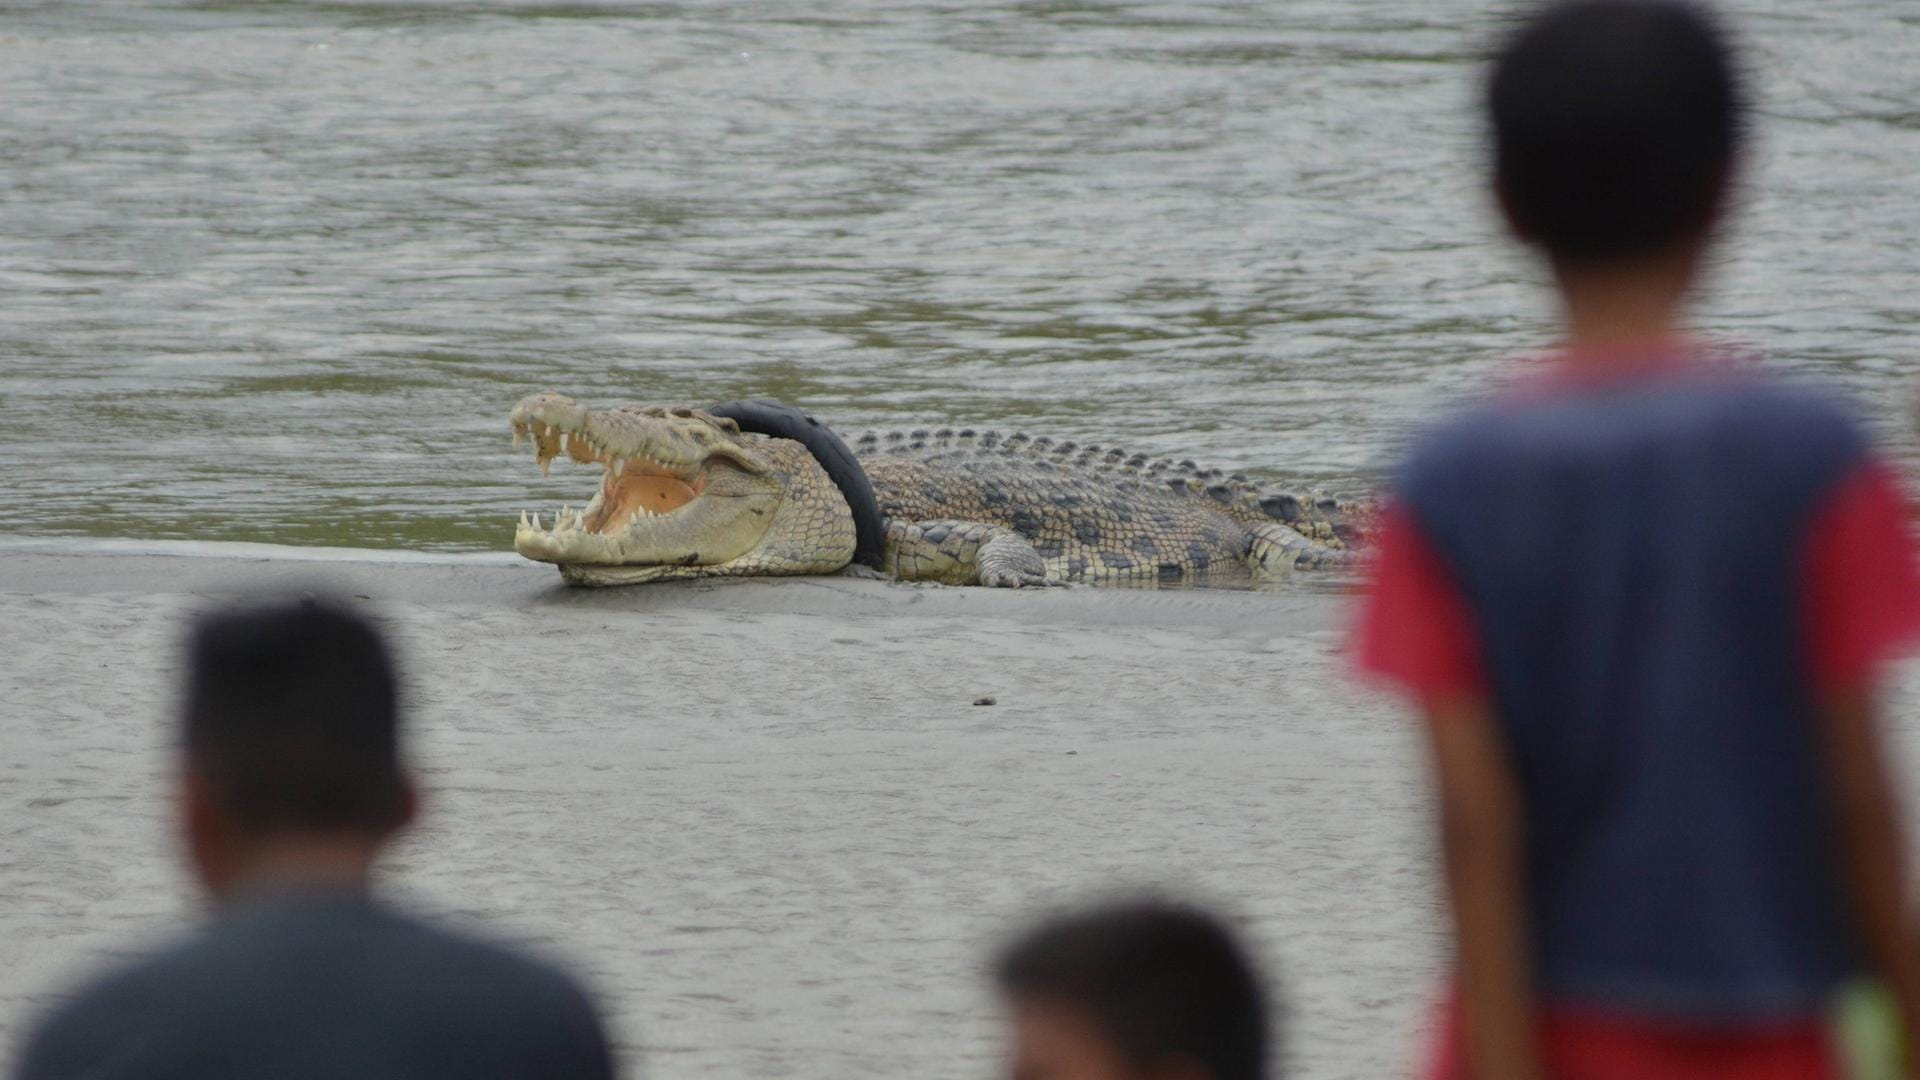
<point>323,985</point>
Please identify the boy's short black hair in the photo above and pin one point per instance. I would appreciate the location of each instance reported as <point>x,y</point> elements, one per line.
<point>292,716</point>
<point>1615,125</point>
<point>1160,980</point>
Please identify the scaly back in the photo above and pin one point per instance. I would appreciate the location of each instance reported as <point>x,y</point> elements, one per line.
<point>1139,475</point>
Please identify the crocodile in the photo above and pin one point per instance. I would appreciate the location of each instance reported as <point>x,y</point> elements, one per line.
<point>754,489</point>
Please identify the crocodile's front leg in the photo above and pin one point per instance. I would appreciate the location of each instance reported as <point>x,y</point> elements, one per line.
<point>962,553</point>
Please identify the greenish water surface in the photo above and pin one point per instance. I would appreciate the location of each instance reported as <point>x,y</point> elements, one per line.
<point>275,271</point>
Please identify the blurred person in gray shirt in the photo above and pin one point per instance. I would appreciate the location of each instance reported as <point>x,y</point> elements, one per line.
<point>292,784</point>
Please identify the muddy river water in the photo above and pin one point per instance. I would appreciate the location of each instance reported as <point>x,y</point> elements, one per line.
<point>275,271</point>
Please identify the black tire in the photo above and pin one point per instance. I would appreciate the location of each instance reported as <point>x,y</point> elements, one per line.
<point>783,421</point>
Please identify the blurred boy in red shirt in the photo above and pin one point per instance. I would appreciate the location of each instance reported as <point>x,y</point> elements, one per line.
<point>1643,599</point>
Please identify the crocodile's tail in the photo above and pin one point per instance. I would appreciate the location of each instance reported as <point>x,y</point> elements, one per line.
<point>1278,550</point>
<point>1319,516</point>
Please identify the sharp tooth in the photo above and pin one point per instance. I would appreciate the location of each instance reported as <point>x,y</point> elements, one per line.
<point>523,519</point>
<point>536,522</point>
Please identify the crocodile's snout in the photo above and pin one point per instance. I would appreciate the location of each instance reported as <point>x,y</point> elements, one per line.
<point>669,477</point>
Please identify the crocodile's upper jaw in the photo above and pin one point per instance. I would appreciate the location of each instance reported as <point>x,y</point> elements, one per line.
<point>678,488</point>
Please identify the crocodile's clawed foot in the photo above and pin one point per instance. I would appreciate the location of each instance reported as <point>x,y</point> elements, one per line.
<point>1009,562</point>
<point>1016,579</point>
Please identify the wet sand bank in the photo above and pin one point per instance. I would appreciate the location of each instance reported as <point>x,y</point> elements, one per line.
<point>764,819</point>
<point>506,580</point>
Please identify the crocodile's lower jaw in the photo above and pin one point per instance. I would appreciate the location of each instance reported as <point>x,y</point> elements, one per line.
<point>596,576</point>
<point>711,530</point>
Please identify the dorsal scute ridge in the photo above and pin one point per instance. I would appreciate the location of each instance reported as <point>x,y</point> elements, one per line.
<point>1305,508</point>
<point>1107,459</point>
<point>1184,476</point>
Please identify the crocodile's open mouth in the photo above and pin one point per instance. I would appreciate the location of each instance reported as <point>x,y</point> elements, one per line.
<point>631,488</point>
<point>677,487</point>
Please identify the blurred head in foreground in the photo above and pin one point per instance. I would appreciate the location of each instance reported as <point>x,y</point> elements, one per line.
<point>292,760</point>
<point>1134,990</point>
<point>1616,127</point>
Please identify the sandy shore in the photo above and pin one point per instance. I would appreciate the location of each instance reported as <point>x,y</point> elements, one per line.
<point>765,819</point>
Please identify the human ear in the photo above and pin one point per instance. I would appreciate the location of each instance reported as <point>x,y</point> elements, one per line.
<point>407,810</point>
<point>1510,212</point>
<point>206,831</point>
